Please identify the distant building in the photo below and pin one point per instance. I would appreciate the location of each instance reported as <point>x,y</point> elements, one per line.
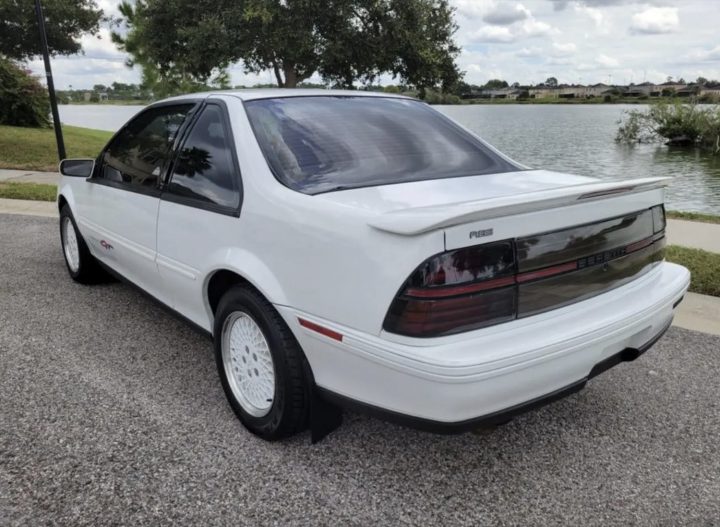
<point>646,88</point>
<point>713,91</point>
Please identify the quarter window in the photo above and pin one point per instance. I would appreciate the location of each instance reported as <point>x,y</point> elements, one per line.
<point>204,170</point>
<point>137,156</point>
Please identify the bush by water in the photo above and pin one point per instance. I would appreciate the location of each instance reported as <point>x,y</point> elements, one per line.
<point>676,123</point>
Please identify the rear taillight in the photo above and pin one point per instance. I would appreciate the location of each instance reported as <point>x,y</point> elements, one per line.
<point>457,291</point>
<point>479,286</point>
<point>658,218</point>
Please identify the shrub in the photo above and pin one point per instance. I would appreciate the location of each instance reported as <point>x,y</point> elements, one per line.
<point>436,97</point>
<point>677,123</point>
<point>23,100</point>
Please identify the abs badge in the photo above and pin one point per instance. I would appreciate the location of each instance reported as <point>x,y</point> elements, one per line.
<point>105,245</point>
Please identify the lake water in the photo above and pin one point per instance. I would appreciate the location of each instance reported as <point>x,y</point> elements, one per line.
<point>567,138</point>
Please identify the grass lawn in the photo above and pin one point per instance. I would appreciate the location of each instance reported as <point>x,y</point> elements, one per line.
<point>692,216</point>
<point>34,191</point>
<point>35,148</point>
<point>704,266</point>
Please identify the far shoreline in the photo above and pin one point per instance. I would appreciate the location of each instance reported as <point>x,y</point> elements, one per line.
<point>465,102</point>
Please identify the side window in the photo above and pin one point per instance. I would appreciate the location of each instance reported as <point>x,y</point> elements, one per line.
<point>137,155</point>
<point>204,169</point>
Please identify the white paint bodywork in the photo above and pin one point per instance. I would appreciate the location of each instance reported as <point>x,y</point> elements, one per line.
<point>339,258</point>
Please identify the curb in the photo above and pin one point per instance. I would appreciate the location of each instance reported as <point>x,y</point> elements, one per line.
<point>47,209</point>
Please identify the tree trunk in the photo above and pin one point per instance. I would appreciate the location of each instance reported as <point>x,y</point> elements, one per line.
<point>278,77</point>
<point>291,77</point>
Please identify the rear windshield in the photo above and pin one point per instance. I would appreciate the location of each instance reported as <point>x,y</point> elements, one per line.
<point>319,144</point>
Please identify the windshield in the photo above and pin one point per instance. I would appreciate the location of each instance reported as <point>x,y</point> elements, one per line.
<point>318,144</point>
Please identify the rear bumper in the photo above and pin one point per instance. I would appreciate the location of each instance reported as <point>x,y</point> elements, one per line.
<point>496,418</point>
<point>461,381</point>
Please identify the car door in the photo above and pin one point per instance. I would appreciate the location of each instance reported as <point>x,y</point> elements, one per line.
<point>199,209</point>
<point>119,213</point>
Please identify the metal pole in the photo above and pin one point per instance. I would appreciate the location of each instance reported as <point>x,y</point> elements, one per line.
<point>50,84</point>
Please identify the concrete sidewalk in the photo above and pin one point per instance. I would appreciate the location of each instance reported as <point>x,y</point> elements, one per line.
<point>29,176</point>
<point>694,234</point>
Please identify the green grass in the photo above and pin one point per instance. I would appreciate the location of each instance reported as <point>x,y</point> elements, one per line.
<point>704,267</point>
<point>34,191</point>
<point>693,216</point>
<point>35,148</point>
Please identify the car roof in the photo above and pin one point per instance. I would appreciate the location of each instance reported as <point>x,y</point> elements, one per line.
<point>272,93</point>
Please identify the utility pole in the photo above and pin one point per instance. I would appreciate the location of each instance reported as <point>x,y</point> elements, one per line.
<point>50,83</point>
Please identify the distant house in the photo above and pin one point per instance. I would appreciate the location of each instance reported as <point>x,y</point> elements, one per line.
<point>646,88</point>
<point>688,91</point>
<point>541,91</point>
<point>713,91</point>
<point>501,93</point>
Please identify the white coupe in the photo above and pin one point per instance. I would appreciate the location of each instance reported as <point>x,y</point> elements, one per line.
<point>351,249</point>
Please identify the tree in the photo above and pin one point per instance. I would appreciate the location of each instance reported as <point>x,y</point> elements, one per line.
<point>344,41</point>
<point>552,82</point>
<point>702,81</point>
<point>158,41</point>
<point>23,100</point>
<point>67,21</point>
<point>495,84</point>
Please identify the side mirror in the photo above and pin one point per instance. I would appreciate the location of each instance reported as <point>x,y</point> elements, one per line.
<point>77,167</point>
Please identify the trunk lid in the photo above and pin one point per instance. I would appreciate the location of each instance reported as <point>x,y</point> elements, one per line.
<point>569,238</point>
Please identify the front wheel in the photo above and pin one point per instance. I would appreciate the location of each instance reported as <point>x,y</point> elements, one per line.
<point>261,366</point>
<point>81,265</point>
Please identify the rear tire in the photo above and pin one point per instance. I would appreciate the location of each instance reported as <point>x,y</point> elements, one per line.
<point>81,265</point>
<point>262,368</point>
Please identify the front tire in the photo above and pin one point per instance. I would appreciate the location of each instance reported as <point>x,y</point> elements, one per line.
<point>262,368</point>
<point>81,265</point>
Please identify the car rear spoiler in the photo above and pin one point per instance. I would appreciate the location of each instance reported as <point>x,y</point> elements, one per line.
<point>417,220</point>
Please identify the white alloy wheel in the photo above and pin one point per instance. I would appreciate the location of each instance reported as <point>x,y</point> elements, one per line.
<point>248,364</point>
<point>70,245</point>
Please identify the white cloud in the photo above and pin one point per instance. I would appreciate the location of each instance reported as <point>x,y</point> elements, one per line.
<point>706,54</point>
<point>499,34</point>
<point>536,28</point>
<point>473,8</point>
<point>655,20</point>
<point>607,62</point>
<point>101,46</point>
<point>563,50</point>
<point>505,14</point>
<point>593,13</point>
<point>532,51</point>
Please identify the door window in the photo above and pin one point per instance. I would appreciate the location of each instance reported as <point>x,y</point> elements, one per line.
<point>137,155</point>
<point>205,171</point>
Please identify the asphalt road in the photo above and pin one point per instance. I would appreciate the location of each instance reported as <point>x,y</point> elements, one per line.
<point>112,413</point>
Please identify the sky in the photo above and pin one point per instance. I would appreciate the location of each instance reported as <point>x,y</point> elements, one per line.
<point>576,41</point>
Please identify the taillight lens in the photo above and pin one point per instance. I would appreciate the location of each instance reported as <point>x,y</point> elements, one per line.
<point>658,213</point>
<point>479,286</point>
<point>457,291</point>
